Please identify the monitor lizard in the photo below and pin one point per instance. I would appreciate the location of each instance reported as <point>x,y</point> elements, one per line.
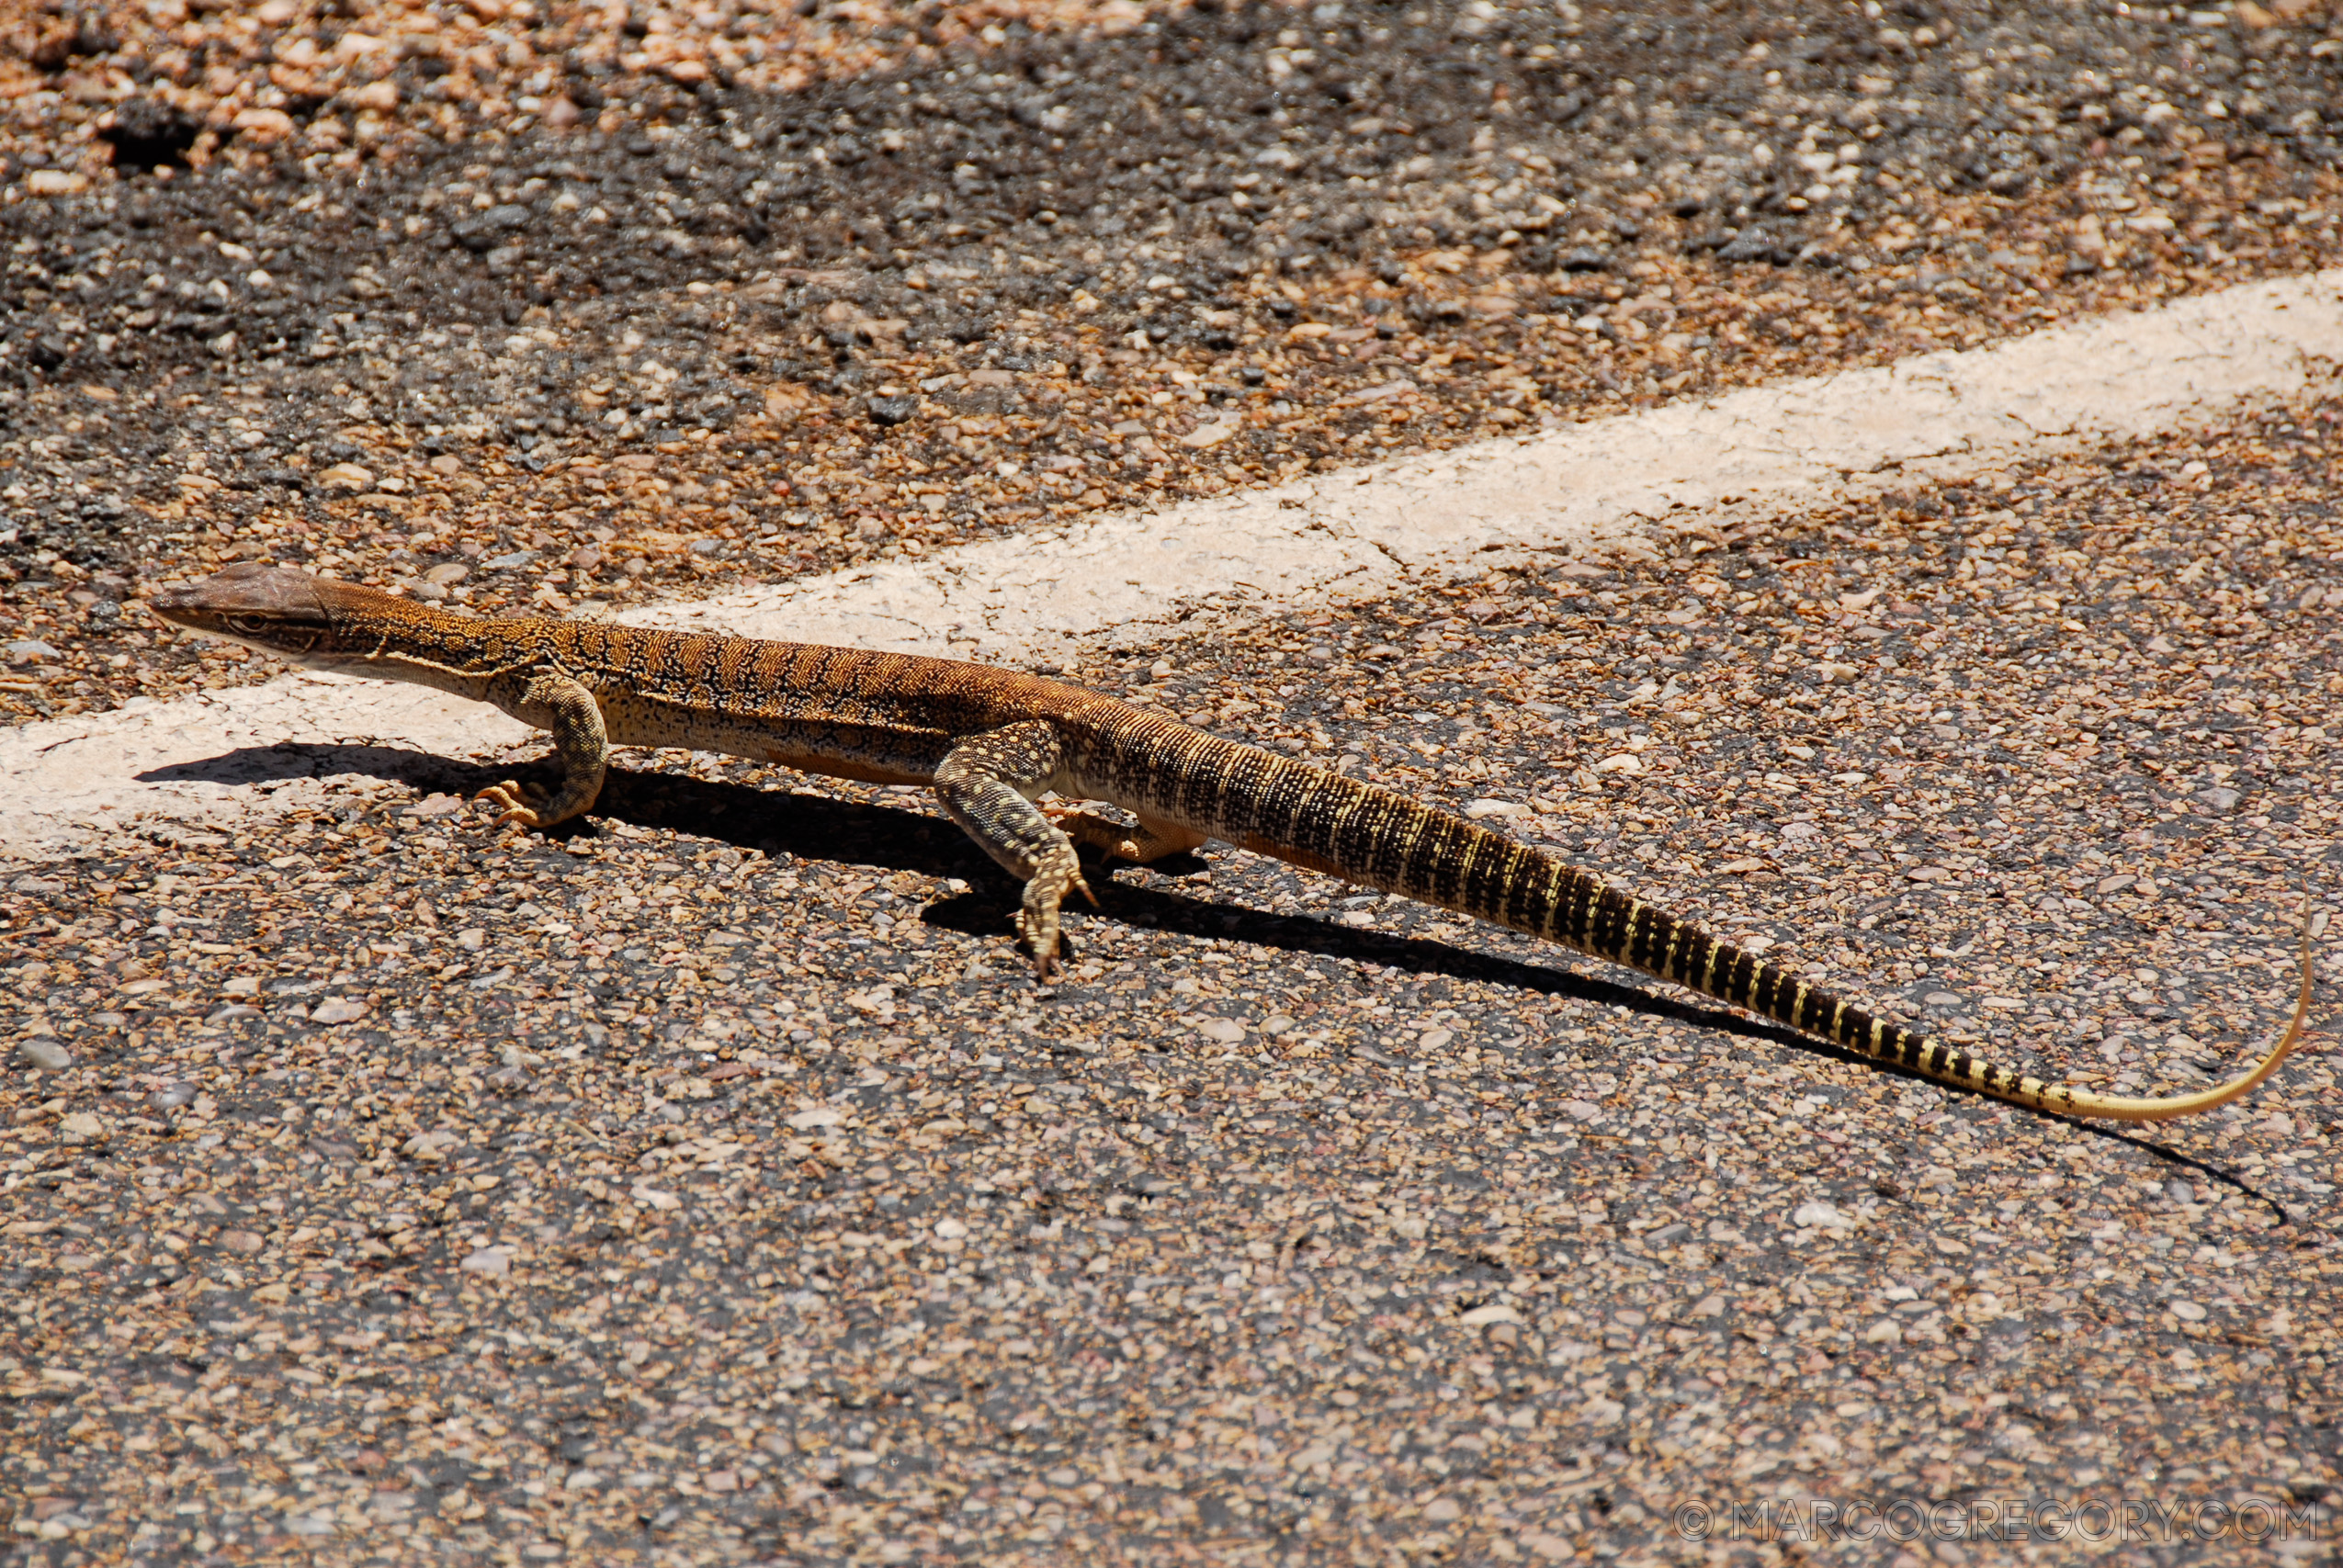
<point>991,741</point>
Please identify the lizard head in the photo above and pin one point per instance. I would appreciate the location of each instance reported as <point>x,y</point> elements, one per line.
<point>311,621</point>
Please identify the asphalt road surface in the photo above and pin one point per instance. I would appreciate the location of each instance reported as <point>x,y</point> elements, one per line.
<point>950,284</point>
<point>713,1184</point>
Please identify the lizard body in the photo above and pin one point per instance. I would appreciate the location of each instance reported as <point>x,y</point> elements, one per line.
<point>991,741</point>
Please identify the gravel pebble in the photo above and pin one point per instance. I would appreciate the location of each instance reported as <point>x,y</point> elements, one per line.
<point>46,1055</point>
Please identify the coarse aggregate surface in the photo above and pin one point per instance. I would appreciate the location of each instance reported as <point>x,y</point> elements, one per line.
<point>713,1184</point>
<point>546,306</point>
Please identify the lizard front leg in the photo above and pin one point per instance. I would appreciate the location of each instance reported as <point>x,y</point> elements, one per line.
<point>557,702</point>
<point>983,783</point>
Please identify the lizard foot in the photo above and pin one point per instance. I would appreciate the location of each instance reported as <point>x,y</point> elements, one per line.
<point>1142,845</point>
<point>1088,827</point>
<point>1038,920</point>
<point>514,798</point>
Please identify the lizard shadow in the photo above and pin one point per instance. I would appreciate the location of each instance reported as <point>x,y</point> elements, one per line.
<point>805,826</point>
<point>289,760</point>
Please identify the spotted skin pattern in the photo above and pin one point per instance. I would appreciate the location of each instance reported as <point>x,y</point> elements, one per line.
<point>992,741</point>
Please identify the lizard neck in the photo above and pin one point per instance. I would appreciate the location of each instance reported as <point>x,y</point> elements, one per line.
<point>395,639</point>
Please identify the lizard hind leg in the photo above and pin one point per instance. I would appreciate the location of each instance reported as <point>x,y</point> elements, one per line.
<point>983,783</point>
<point>1144,845</point>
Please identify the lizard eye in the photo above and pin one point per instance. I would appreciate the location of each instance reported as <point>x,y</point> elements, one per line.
<point>251,625</point>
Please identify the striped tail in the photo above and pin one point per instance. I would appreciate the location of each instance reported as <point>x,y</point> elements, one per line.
<point>1306,817</point>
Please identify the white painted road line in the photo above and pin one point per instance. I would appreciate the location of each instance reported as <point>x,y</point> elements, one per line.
<point>1352,534</point>
<point>1334,538</point>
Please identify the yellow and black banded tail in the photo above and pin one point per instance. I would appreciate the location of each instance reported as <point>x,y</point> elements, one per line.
<point>1627,930</point>
<point>1290,811</point>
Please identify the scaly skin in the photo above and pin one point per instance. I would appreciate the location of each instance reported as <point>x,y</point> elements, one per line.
<point>991,740</point>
